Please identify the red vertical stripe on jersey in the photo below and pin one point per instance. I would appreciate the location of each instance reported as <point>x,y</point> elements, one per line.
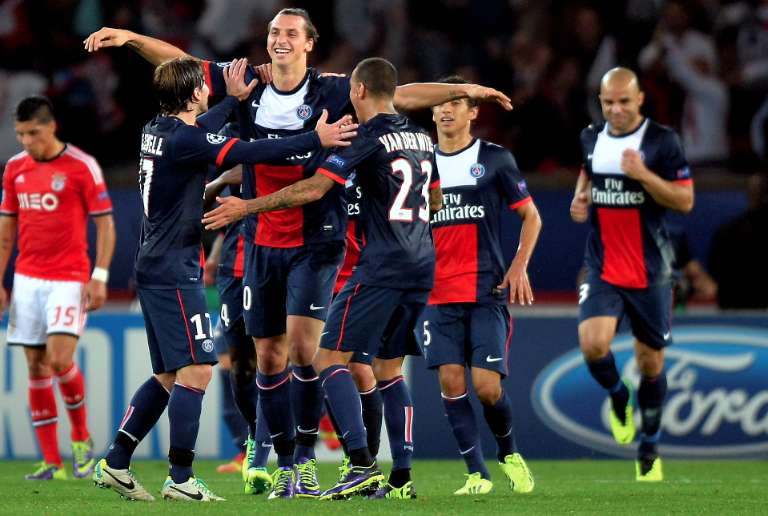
<point>281,228</point>
<point>408,424</point>
<point>207,76</point>
<point>186,325</point>
<point>623,254</point>
<point>351,256</point>
<point>237,267</point>
<point>456,271</point>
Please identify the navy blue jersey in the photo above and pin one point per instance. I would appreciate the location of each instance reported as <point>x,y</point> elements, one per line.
<point>232,258</point>
<point>478,182</point>
<point>174,161</point>
<point>393,162</point>
<point>271,113</point>
<point>629,243</point>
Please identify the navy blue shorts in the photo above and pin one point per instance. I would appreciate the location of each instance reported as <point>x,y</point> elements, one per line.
<point>649,310</point>
<point>231,313</point>
<point>295,281</point>
<point>179,328</point>
<point>373,320</point>
<point>467,334</point>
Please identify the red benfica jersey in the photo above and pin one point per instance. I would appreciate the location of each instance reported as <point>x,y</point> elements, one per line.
<point>52,200</point>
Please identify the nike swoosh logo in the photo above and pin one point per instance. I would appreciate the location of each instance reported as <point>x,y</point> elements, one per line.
<point>195,496</point>
<point>489,358</point>
<point>365,354</point>
<point>667,336</point>
<point>278,434</point>
<point>266,445</point>
<point>313,307</point>
<point>255,104</point>
<point>464,452</point>
<point>325,332</point>
<point>128,486</point>
<point>310,431</point>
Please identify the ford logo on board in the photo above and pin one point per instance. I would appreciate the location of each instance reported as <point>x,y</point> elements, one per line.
<point>716,405</point>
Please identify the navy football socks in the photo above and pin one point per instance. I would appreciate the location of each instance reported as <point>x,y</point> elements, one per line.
<point>499,419</point>
<point>245,394</point>
<point>307,401</point>
<point>605,373</point>
<point>650,398</point>
<point>274,395</point>
<point>373,414</point>
<point>184,407</point>
<point>263,441</point>
<point>145,409</point>
<point>233,419</point>
<point>398,416</point>
<point>462,420</point>
<point>342,396</point>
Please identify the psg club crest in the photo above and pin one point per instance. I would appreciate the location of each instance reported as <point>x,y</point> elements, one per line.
<point>58,183</point>
<point>207,345</point>
<point>477,170</point>
<point>304,112</point>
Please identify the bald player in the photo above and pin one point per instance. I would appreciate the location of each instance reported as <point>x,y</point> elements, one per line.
<point>634,171</point>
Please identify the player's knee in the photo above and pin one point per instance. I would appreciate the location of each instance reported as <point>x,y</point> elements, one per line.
<point>363,376</point>
<point>488,392</point>
<point>39,369</point>
<point>594,346</point>
<point>650,362</point>
<point>384,370</point>
<point>452,383</point>
<point>197,376</point>
<point>272,361</point>
<point>302,353</point>
<point>60,364</point>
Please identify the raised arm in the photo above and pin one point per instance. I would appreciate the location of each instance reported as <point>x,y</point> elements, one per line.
<point>420,95</point>
<point>153,50</point>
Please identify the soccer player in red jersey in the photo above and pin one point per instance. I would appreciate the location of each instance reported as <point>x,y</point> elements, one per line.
<point>49,191</point>
<point>634,171</point>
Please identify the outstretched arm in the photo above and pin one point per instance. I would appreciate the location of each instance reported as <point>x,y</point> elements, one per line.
<point>232,209</point>
<point>153,50</point>
<point>420,95</point>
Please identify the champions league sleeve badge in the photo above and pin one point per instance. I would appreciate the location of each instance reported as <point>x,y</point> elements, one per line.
<point>477,170</point>
<point>215,139</point>
<point>304,112</point>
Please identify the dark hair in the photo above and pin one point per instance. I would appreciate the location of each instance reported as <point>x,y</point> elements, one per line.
<point>378,75</point>
<point>458,79</point>
<point>309,28</point>
<point>175,82</point>
<point>36,108</point>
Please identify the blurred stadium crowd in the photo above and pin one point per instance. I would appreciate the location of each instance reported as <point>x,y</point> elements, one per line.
<point>703,63</point>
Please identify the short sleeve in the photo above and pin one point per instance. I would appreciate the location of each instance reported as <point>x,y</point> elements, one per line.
<point>587,140</point>
<point>434,180</point>
<point>673,166</point>
<point>10,203</point>
<point>94,190</point>
<point>340,165</point>
<point>511,183</point>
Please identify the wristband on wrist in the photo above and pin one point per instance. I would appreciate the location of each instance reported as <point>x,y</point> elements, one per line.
<point>100,274</point>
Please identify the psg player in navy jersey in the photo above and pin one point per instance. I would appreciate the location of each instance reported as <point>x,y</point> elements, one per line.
<point>292,254</point>
<point>634,171</point>
<point>467,322</point>
<point>394,164</point>
<point>176,151</point>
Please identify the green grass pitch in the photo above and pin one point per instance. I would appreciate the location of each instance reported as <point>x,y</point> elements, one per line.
<point>575,487</point>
